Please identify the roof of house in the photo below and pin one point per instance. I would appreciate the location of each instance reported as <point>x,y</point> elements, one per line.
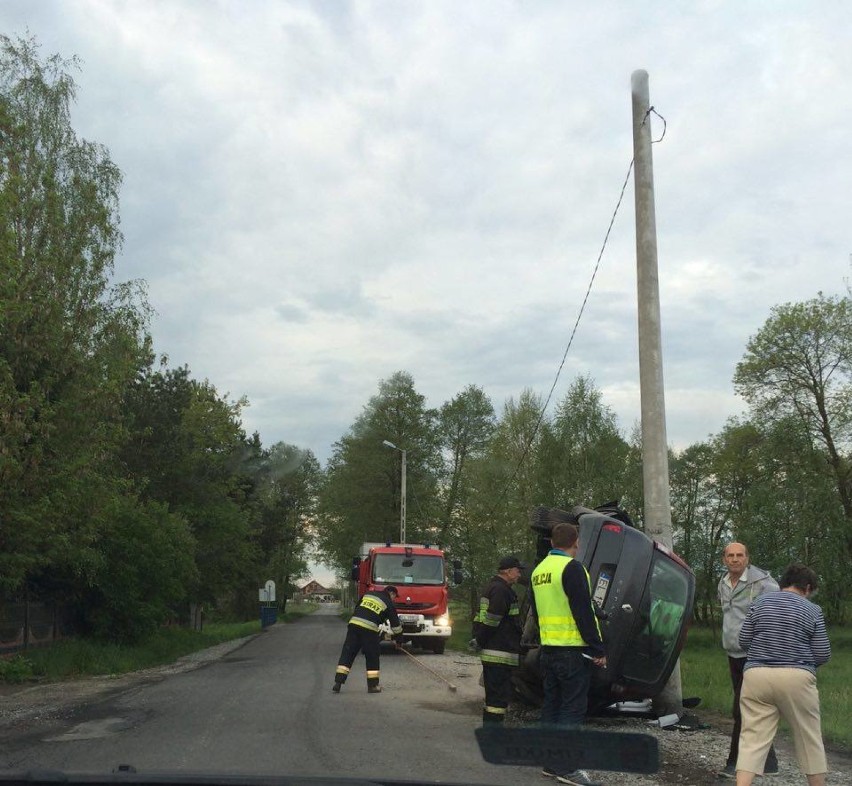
<point>312,586</point>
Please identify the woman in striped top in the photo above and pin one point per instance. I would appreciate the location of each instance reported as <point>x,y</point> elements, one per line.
<point>785,640</point>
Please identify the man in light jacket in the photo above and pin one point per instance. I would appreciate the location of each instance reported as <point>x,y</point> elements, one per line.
<point>738,589</point>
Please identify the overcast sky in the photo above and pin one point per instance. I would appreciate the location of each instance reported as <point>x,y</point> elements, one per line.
<point>320,194</point>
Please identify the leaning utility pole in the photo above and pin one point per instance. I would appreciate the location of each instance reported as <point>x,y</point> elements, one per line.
<point>655,463</point>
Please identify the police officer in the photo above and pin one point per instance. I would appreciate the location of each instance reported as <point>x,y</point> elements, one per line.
<point>570,637</point>
<point>497,630</point>
<point>362,634</point>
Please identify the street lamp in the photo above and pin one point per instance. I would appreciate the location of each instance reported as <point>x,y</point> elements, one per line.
<point>402,493</point>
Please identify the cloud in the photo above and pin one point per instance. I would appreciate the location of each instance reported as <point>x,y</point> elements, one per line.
<point>322,194</point>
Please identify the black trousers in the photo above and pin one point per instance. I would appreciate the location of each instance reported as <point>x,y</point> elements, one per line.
<point>357,640</point>
<point>498,691</point>
<point>736,667</point>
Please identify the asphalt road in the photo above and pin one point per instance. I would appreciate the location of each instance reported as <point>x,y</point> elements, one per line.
<point>267,708</point>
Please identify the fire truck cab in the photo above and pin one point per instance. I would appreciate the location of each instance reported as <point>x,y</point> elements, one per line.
<point>420,574</point>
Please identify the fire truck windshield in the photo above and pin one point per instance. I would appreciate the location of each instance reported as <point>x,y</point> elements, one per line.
<point>399,569</point>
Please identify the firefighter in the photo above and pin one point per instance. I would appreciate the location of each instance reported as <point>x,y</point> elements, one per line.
<point>362,635</point>
<point>497,630</point>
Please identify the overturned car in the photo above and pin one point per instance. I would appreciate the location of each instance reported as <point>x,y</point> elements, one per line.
<point>643,595</point>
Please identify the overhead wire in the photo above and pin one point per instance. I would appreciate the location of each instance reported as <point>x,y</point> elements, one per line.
<point>580,313</point>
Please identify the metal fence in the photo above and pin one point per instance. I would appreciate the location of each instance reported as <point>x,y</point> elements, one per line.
<point>28,624</point>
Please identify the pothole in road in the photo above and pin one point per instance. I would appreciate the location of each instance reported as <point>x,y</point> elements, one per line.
<point>94,729</point>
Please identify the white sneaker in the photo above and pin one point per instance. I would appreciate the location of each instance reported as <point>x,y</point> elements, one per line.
<point>576,778</point>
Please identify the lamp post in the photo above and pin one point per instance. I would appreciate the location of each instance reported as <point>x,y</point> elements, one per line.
<point>402,492</point>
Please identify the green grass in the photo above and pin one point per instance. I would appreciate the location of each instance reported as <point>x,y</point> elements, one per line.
<point>295,611</point>
<point>704,673</point>
<point>462,622</point>
<point>73,658</point>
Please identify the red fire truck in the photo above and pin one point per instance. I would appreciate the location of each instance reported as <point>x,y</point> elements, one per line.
<point>421,575</point>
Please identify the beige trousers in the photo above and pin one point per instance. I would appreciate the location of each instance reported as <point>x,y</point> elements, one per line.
<point>788,692</point>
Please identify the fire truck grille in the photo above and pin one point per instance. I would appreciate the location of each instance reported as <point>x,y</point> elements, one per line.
<point>412,606</point>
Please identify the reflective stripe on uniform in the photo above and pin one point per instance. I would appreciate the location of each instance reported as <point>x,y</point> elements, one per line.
<point>373,674</point>
<point>362,623</point>
<point>492,620</point>
<point>495,710</point>
<point>500,657</point>
<point>342,670</point>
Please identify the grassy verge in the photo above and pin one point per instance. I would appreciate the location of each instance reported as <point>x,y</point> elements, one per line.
<point>704,673</point>
<point>81,657</point>
<point>295,611</point>
<point>462,624</point>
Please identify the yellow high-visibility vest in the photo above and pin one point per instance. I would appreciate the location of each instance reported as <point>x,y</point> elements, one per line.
<point>557,627</point>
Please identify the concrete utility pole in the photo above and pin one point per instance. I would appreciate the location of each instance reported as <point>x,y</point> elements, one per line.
<point>655,463</point>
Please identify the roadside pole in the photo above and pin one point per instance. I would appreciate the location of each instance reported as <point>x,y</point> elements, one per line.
<point>655,464</point>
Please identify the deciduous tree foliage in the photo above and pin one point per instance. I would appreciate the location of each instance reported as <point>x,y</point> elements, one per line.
<point>465,426</point>
<point>125,491</point>
<point>286,482</point>
<point>789,511</point>
<point>502,487</point>
<point>185,448</point>
<point>360,496</point>
<point>798,368</point>
<point>69,340</point>
<point>583,459</point>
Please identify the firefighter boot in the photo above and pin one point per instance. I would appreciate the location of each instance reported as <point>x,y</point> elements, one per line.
<point>373,685</point>
<point>339,679</point>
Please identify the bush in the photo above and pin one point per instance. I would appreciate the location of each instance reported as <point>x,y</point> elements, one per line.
<point>147,561</point>
<point>15,670</point>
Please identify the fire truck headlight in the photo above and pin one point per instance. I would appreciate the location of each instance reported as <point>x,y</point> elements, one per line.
<point>443,620</point>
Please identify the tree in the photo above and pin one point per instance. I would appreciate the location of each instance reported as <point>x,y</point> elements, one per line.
<point>186,449</point>
<point>287,479</point>
<point>360,496</point>
<point>465,426</point>
<point>144,568</point>
<point>798,367</point>
<point>502,493</point>
<point>789,511</point>
<point>70,342</point>
<point>583,457</point>
<point>711,483</point>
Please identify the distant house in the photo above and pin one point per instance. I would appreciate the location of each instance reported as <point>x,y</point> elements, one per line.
<point>313,588</point>
<point>315,591</point>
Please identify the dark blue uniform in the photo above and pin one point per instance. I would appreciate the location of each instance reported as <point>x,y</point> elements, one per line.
<point>362,634</point>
